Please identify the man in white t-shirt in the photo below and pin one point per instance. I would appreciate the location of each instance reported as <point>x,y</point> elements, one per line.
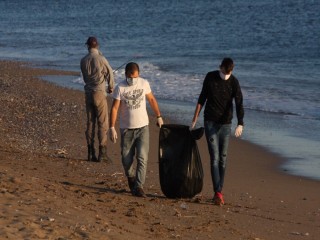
<point>130,98</point>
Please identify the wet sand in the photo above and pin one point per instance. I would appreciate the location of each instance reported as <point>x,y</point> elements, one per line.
<point>49,191</point>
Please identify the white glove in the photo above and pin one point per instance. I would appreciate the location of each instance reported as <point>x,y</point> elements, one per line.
<point>159,121</point>
<point>113,134</point>
<point>238,131</point>
<point>193,124</point>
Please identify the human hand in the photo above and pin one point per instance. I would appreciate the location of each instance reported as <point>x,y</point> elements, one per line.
<point>238,131</point>
<point>159,121</point>
<point>110,90</point>
<point>193,124</point>
<point>113,134</point>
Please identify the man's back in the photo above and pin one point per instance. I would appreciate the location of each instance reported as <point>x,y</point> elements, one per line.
<point>94,71</point>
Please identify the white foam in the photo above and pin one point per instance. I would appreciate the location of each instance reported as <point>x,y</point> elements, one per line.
<point>169,85</point>
<point>78,80</point>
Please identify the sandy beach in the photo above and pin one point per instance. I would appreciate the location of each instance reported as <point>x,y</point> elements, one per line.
<point>49,191</point>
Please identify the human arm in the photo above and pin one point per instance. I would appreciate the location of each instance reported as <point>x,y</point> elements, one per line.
<point>155,107</point>
<point>113,117</point>
<point>201,101</point>
<point>109,75</point>
<point>114,112</point>
<point>195,116</point>
<point>239,109</point>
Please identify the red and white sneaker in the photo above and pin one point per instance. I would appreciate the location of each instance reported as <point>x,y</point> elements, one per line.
<point>218,199</point>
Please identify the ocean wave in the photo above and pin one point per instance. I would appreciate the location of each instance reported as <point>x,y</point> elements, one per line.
<point>284,113</point>
<point>173,86</point>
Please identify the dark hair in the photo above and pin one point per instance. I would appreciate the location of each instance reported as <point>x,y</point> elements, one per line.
<point>131,67</point>
<point>92,42</point>
<point>227,65</point>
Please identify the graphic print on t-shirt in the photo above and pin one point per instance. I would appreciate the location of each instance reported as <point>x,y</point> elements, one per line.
<point>133,98</point>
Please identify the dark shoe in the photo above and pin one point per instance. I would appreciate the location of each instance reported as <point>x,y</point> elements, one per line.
<point>131,182</point>
<point>103,157</point>
<point>92,154</point>
<point>138,192</point>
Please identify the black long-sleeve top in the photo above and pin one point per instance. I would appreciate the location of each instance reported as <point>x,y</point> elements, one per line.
<point>218,94</point>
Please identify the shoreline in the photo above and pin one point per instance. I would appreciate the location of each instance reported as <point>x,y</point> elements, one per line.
<point>301,156</point>
<point>277,164</point>
<point>281,159</point>
<point>48,190</point>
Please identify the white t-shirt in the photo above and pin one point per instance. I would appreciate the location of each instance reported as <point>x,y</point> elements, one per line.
<point>133,108</point>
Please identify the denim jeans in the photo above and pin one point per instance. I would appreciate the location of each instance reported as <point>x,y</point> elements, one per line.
<point>217,136</point>
<point>135,142</point>
<point>97,112</point>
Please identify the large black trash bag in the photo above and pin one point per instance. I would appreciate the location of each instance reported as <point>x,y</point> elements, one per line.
<point>180,167</point>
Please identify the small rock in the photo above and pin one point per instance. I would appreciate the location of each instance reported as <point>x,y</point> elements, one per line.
<point>184,206</point>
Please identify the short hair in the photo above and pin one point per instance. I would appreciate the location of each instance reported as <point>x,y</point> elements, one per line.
<point>92,42</point>
<point>131,67</point>
<point>227,65</point>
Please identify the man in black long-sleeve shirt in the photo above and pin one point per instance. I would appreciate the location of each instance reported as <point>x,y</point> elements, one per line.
<point>218,91</point>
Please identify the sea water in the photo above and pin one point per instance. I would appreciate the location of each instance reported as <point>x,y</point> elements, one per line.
<point>275,45</point>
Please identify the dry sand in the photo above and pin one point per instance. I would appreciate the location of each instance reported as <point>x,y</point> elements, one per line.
<point>49,191</point>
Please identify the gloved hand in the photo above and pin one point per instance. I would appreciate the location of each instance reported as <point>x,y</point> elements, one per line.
<point>109,90</point>
<point>238,131</point>
<point>113,134</point>
<point>193,124</point>
<point>159,121</point>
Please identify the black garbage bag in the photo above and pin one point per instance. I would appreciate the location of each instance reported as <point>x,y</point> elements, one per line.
<point>180,167</point>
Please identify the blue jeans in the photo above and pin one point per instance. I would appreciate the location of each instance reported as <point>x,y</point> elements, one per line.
<point>135,142</point>
<point>217,136</point>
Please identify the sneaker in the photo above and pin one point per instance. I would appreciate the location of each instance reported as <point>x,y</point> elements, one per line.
<point>139,192</point>
<point>218,199</point>
<point>131,183</point>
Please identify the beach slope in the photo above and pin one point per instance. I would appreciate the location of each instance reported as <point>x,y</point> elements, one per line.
<point>49,191</point>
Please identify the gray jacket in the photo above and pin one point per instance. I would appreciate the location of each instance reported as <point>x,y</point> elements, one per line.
<point>96,71</point>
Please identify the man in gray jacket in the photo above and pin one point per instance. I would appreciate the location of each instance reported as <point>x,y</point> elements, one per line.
<point>96,73</point>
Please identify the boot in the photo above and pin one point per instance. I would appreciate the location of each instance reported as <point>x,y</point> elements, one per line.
<point>131,182</point>
<point>103,155</point>
<point>92,154</point>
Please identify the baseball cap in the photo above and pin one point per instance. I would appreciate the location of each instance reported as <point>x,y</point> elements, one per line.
<point>92,42</point>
